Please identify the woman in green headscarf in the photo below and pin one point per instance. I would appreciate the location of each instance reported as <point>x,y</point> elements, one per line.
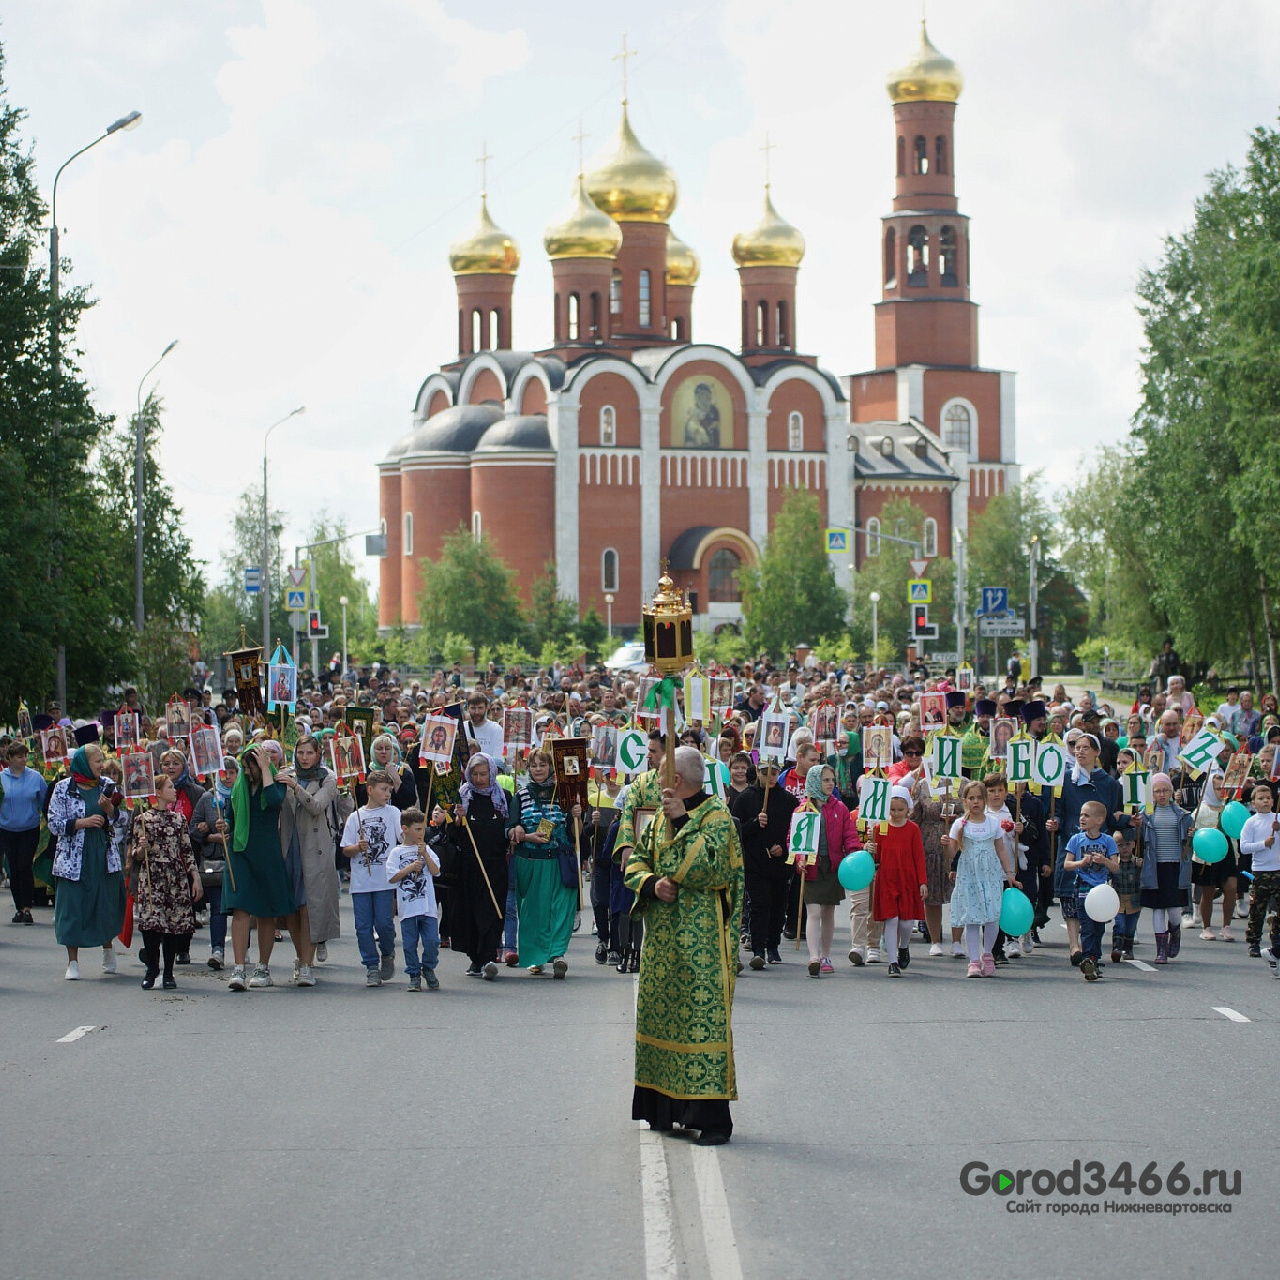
<point>88,910</point>
<point>255,882</point>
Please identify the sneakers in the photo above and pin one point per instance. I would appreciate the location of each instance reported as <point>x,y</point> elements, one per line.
<point>1208,935</point>
<point>1012,949</point>
<point>857,957</point>
<point>957,951</point>
<point>1255,952</point>
<point>904,957</point>
<point>1226,935</point>
<point>108,960</point>
<point>73,971</point>
<point>304,977</point>
<point>261,977</point>
<point>757,961</point>
<point>815,968</point>
<point>473,971</point>
<point>1089,969</point>
<point>322,952</point>
<point>873,955</point>
<point>559,967</point>
<point>1273,959</point>
<point>616,958</point>
<point>773,956</point>
<point>827,966</point>
<point>534,970</point>
<point>388,969</point>
<point>372,976</point>
<point>936,949</point>
<point>415,982</point>
<point>236,981</point>
<point>602,954</point>
<point>433,983</point>
<point>215,960</point>
<point>19,917</point>
<point>1076,958</point>
<point>988,965</point>
<point>490,971</point>
<point>894,971</point>
<point>975,970</point>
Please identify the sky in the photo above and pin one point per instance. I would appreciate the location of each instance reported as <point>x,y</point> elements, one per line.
<point>286,206</point>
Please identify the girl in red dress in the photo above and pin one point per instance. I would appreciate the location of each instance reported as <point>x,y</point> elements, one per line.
<point>901,882</point>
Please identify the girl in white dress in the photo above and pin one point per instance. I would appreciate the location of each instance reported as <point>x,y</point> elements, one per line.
<point>980,870</point>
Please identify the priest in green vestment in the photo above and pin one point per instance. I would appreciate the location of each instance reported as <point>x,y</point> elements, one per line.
<point>686,871</point>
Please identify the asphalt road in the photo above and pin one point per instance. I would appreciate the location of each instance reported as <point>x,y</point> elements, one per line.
<point>483,1131</point>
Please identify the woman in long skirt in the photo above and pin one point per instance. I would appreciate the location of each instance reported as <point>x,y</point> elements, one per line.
<point>168,883</point>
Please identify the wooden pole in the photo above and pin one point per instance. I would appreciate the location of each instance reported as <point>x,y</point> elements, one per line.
<point>226,848</point>
<point>462,818</point>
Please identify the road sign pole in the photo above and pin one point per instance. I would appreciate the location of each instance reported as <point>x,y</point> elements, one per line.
<point>315,604</point>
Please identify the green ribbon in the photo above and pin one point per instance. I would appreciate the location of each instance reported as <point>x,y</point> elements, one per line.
<point>663,693</point>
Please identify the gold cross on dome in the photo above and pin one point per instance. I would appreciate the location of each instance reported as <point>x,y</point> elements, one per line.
<point>580,137</point>
<point>622,57</point>
<point>483,161</point>
<point>767,148</point>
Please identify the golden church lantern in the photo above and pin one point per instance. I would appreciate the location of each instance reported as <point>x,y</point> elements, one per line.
<point>668,628</point>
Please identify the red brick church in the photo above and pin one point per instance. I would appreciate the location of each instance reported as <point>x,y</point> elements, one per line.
<point>624,422</point>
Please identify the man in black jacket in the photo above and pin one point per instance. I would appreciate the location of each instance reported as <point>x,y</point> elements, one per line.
<point>764,814</point>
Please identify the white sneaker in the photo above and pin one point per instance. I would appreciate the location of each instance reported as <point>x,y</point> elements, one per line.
<point>261,977</point>
<point>1012,949</point>
<point>322,953</point>
<point>858,956</point>
<point>236,981</point>
<point>108,960</point>
<point>873,955</point>
<point>1027,943</point>
<point>936,949</point>
<point>73,970</point>
<point>958,952</point>
<point>304,976</point>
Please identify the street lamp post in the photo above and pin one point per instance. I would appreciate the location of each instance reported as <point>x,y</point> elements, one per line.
<point>608,604</point>
<point>874,597</point>
<point>1034,647</point>
<point>139,614</point>
<point>266,540</point>
<point>342,600</point>
<point>131,121</point>
<point>961,599</point>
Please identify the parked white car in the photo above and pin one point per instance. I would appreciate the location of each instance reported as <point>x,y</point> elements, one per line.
<point>628,658</point>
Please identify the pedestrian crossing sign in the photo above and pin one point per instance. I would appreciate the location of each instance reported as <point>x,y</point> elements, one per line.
<point>920,591</point>
<point>295,599</point>
<point>837,542</point>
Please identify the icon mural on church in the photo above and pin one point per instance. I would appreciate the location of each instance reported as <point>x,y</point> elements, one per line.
<point>701,414</point>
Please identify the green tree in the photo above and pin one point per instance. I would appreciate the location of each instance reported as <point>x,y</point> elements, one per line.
<point>469,590</point>
<point>338,576</point>
<point>594,633</point>
<point>552,618</point>
<point>791,597</point>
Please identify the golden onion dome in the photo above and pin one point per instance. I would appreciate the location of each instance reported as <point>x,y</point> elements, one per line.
<point>774,242</point>
<point>583,231</point>
<point>486,250</point>
<point>631,184</point>
<point>929,77</point>
<point>683,266</point>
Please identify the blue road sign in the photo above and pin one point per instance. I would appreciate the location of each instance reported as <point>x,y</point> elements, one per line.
<point>253,580</point>
<point>995,601</point>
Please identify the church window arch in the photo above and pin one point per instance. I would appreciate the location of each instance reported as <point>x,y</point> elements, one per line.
<point>940,153</point>
<point>475,525</point>
<point>646,301</point>
<point>575,318</point>
<point>784,326</point>
<point>408,533</point>
<point>495,329</point>
<point>723,586</point>
<point>477,330</point>
<point>957,427</point>
<point>947,256</point>
<point>890,258</point>
<point>595,315</point>
<point>917,256</point>
<point>921,154</point>
<point>795,432</point>
<point>902,156</point>
<point>886,447</point>
<point>609,570</point>
<point>872,530</point>
<point>929,538</point>
<point>762,324</point>
<point>608,426</point>
<point>615,293</point>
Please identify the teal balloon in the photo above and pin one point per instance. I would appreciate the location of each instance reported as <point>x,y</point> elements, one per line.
<point>856,871</point>
<point>1016,913</point>
<point>1210,844</point>
<point>1234,816</point>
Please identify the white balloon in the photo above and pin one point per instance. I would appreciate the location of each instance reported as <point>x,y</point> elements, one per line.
<point>1102,903</point>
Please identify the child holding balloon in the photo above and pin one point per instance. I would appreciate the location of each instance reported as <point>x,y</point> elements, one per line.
<point>1092,855</point>
<point>901,881</point>
<point>977,840</point>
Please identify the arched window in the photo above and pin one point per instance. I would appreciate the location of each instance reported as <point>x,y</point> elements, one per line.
<point>615,293</point>
<point>408,533</point>
<point>722,577</point>
<point>646,309</point>
<point>609,570</point>
<point>873,536</point>
<point>795,432</point>
<point>495,329</point>
<point>608,429</point>
<point>475,525</point>
<point>762,324</point>
<point>677,329</point>
<point>917,256</point>
<point>574,317</point>
<point>921,154</point>
<point>886,447</point>
<point>957,424</point>
<point>947,256</point>
<point>902,156</point>
<point>477,330</point>
<point>940,153</point>
<point>929,538</point>
<point>890,258</point>
<point>595,315</point>
<point>784,327</point>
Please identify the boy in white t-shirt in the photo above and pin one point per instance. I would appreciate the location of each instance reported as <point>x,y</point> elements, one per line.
<point>370,834</point>
<point>410,866</point>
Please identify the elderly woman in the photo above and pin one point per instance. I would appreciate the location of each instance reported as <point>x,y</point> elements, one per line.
<point>88,910</point>
<point>479,840</point>
<point>545,904</point>
<point>384,752</point>
<point>256,882</point>
<point>305,822</point>
<point>173,764</point>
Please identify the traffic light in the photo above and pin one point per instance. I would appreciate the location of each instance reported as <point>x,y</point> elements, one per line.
<point>921,628</point>
<point>316,630</point>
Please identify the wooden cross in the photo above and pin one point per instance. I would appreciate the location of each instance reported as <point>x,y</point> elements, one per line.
<point>483,161</point>
<point>622,57</point>
<point>767,148</point>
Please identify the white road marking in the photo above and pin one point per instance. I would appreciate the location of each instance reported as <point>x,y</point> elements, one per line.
<point>717,1230</point>
<point>655,1194</point>
<point>78,1034</point>
<point>1234,1014</point>
<point>1141,964</point>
